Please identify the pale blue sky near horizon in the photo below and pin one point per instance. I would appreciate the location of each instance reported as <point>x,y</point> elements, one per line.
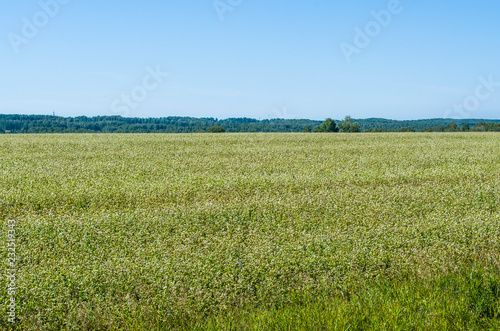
<point>263,60</point>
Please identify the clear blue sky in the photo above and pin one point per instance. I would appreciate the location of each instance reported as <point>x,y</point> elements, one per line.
<point>265,59</point>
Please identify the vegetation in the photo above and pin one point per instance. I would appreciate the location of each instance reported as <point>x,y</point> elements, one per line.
<point>348,126</point>
<point>328,125</point>
<point>217,129</point>
<point>253,231</point>
<point>452,127</point>
<point>117,124</point>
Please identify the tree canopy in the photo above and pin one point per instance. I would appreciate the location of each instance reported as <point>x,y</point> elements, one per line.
<point>118,124</point>
<point>328,125</point>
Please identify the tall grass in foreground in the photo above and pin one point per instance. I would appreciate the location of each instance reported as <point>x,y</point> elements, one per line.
<point>253,231</point>
<point>455,302</point>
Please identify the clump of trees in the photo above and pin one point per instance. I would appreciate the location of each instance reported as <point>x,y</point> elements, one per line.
<point>453,127</point>
<point>486,127</point>
<point>438,128</point>
<point>328,125</point>
<point>346,125</point>
<point>217,129</point>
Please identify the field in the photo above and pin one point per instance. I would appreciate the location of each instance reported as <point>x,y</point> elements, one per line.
<point>253,231</point>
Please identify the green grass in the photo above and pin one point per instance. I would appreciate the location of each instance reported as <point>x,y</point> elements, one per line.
<point>253,231</point>
<point>458,302</point>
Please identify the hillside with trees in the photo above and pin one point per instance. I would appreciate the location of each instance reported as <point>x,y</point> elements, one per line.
<point>118,124</point>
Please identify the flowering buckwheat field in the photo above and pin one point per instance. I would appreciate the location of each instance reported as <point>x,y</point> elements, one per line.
<point>252,231</point>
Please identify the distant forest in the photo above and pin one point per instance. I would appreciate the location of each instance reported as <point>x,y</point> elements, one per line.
<point>118,124</point>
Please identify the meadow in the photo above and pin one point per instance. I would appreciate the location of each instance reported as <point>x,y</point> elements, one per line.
<point>394,231</point>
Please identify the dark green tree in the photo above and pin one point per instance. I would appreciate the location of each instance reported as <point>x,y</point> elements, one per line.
<point>355,127</point>
<point>307,129</point>
<point>438,128</point>
<point>465,128</point>
<point>451,127</point>
<point>492,127</point>
<point>217,129</point>
<point>328,125</point>
<point>479,127</point>
<point>345,125</point>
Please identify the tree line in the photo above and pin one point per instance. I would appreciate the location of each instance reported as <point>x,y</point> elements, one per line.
<point>118,124</point>
<point>347,125</point>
